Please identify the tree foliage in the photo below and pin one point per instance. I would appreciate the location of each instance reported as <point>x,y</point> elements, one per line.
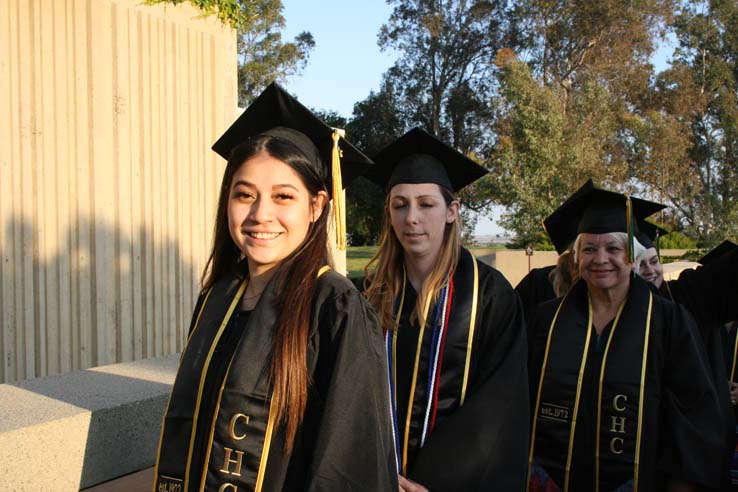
<point>228,12</point>
<point>573,86</point>
<point>444,75</point>
<point>546,94</point>
<point>263,56</point>
<point>374,124</point>
<point>690,153</point>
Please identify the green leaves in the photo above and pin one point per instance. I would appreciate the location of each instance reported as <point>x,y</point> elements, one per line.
<point>229,12</point>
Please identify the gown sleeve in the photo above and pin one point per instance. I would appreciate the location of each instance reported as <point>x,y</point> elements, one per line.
<point>353,448</point>
<point>534,289</point>
<point>710,292</point>
<point>540,324</point>
<point>691,426</point>
<point>483,445</point>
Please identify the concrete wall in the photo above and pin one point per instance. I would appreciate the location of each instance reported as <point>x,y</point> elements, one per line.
<point>107,182</point>
<point>66,432</point>
<point>513,263</point>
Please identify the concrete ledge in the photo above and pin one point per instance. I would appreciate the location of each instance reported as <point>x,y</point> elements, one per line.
<point>68,432</point>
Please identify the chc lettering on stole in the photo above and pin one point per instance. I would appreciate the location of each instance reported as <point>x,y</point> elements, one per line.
<point>617,423</point>
<point>233,459</point>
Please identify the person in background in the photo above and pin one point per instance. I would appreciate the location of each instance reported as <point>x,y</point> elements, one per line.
<point>709,294</point>
<point>282,384</point>
<point>648,264</point>
<point>725,337</point>
<point>550,282</point>
<point>621,390</point>
<point>454,330</point>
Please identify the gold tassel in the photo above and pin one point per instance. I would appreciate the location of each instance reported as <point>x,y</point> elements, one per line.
<point>336,191</point>
<point>629,226</point>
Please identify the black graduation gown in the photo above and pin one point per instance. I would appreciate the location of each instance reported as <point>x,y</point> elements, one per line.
<point>535,288</point>
<point>710,294</point>
<point>345,441</point>
<point>482,444</point>
<point>680,419</point>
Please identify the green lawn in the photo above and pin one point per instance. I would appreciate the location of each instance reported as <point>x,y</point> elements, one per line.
<point>357,257</point>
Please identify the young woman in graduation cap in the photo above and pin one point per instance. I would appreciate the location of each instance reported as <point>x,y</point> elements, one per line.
<point>708,292</point>
<point>621,391</point>
<point>454,331</point>
<point>282,383</point>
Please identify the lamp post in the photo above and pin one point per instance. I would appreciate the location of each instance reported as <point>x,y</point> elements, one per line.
<point>529,253</point>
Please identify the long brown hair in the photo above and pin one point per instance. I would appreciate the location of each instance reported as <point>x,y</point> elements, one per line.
<point>384,272</point>
<point>296,279</point>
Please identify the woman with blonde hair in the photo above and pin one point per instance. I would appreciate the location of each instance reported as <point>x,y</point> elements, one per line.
<point>454,330</point>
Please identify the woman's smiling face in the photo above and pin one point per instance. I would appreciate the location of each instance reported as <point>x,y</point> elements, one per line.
<point>269,211</point>
<point>602,261</point>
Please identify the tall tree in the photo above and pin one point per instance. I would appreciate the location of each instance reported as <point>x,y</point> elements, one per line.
<point>569,42</point>
<point>698,101</point>
<point>374,124</point>
<point>445,71</point>
<point>572,93</point>
<point>262,54</point>
<point>550,142</point>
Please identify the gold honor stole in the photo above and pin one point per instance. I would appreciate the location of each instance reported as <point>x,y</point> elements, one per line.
<point>243,427</point>
<point>620,390</point>
<point>734,358</point>
<point>455,360</point>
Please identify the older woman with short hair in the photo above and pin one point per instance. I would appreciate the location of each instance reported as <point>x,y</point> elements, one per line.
<point>620,386</point>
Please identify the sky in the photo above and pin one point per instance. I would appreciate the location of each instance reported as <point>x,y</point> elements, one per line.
<point>347,64</point>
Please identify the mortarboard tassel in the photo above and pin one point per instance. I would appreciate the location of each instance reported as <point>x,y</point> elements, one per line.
<point>629,226</point>
<point>336,191</point>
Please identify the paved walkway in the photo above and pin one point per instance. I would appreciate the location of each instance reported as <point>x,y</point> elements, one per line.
<point>141,481</point>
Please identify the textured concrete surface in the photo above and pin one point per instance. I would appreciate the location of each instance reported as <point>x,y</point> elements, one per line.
<point>63,433</point>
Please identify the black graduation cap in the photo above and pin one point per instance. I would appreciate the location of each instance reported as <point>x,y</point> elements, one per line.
<point>280,115</point>
<point>277,113</point>
<point>718,251</point>
<point>419,157</point>
<point>561,231</point>
<point>598,211</point>
<point>648,234</point>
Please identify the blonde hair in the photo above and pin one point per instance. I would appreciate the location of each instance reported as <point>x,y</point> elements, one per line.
<point>385,271</point>
<point>565,274</point>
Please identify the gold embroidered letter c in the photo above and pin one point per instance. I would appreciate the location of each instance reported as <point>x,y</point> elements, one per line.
<point>232,426</point>
<point>615,402</point>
